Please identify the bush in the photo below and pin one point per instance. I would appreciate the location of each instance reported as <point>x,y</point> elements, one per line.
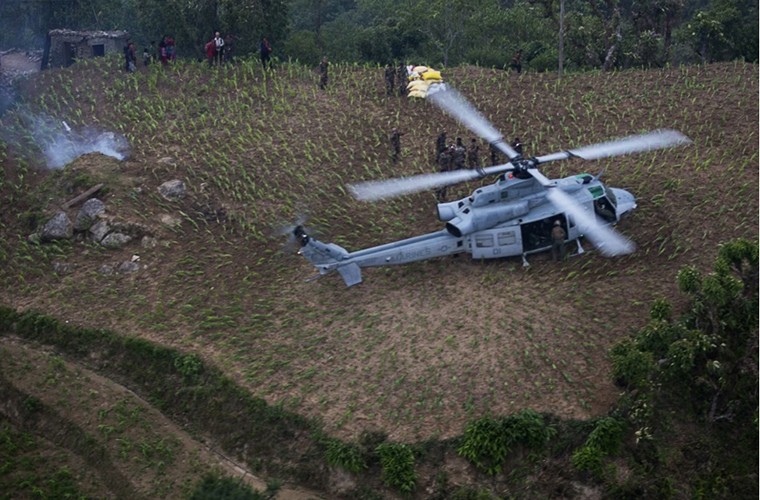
<point>630,366</point>
<point>189,365</point>
<point>604,440</point>
<point>487,441</point>
<point>345,455</point>
<point>398,466</point>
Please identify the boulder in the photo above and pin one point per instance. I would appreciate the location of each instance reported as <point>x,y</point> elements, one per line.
<point>106,269</point>
<point>88,214</point>
<point>149,242</point>
<point>170,220</point>
<point>115,240</point>
<point>59,227</point>
<point>63,267</point>
<point>129,267</point>
<point>173,190</point>
<point>99,230</point>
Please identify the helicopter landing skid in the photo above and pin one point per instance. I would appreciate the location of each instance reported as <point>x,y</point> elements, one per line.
<point>525,261</point>
<point>580,248</point>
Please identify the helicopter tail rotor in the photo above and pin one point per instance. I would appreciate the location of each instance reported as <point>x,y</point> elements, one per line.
<point>327,257</point>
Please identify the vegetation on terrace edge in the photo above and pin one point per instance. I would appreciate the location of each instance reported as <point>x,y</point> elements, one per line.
<point>685,425</point>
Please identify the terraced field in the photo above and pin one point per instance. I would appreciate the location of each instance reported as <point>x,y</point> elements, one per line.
<point>414,351</point>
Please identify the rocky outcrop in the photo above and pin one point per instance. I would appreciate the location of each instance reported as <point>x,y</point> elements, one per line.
<point>173,190</point>
<point>59,227</point>
<point>88,214</point>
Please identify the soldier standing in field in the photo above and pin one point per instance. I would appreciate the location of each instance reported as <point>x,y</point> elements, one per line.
<point>459,154</point>
<point>396,144</point>
<point>440,145</point>
<point>517,145</point>
<point>444,165</point>
<point>390,76</point>
<point>473,154</point>
<point>401,76</point>
<point>558,241</point>
<point>323,66</point>
<point>494,154</point>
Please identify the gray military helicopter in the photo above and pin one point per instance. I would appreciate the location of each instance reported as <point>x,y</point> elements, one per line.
<point>511,217</point>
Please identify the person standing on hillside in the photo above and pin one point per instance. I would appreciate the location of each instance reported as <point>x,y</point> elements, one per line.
<point>162,52</point>
<point>495,156</point>
<point>444,165</point>
<point>210,52</point>
<point>171,49</point>
<point>516,63</point>
<point>218,49</point>
<point>323,67</point>
<point>402,76</point>
<point>558,241</point>
<point>396,144</point>
<point>130,57</point>
<point>390,76</point>
<point>229,43</point>
<point>460,154</point>
<point>440,145</point>
<point>517,145</point>
<point>473,154</point>
<point>265,52</point>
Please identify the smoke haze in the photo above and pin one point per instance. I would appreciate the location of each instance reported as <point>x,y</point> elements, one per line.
<point>61,144</point>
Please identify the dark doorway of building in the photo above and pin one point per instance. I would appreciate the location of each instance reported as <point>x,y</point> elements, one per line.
<point>70,53</point>
<point>98,50</point>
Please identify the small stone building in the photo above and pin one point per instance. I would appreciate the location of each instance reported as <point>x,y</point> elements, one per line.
<point>63,47</point>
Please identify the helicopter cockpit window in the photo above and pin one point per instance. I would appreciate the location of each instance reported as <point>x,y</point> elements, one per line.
<point>604,209</point>
<point>610,194</point>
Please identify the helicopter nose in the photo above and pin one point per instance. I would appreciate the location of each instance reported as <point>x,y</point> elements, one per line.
<point>625,201</point>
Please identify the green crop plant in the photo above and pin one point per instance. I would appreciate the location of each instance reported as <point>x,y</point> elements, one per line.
<point>397,461</point>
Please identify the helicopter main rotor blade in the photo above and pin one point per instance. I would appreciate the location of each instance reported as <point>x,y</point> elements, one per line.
<point>609,242</point>
<point>455,105</point>
<point>650,141</point>
<point>390,188</point>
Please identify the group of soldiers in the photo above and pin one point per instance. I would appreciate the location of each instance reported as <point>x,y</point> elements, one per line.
<point>395,78</point>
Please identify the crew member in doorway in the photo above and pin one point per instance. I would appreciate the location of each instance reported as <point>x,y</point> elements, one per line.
<point>558,241</point>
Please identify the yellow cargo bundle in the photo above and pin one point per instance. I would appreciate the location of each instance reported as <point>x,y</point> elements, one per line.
<point>418,93</point>
<point>419,69</point>
<point>420,85</point>
<point>431,74</point>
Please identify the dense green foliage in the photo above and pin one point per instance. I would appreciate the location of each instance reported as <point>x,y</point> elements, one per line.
<point>700,369</point>
<point>345,455</point>
<point>488,441</point>
<point>397,460</point>
<point>613,33</point>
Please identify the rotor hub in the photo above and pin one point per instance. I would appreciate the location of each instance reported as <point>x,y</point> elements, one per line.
<point>521,167</point>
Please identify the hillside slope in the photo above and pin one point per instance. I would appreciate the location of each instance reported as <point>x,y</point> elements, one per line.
<point>414,351</point>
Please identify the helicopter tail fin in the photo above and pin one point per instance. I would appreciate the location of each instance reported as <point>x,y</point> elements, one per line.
<point>327,257</point>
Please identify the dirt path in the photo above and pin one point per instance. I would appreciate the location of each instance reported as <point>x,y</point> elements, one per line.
<point>155,455</point>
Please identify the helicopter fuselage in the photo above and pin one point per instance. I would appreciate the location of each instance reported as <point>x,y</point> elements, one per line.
<point>511,217</point>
